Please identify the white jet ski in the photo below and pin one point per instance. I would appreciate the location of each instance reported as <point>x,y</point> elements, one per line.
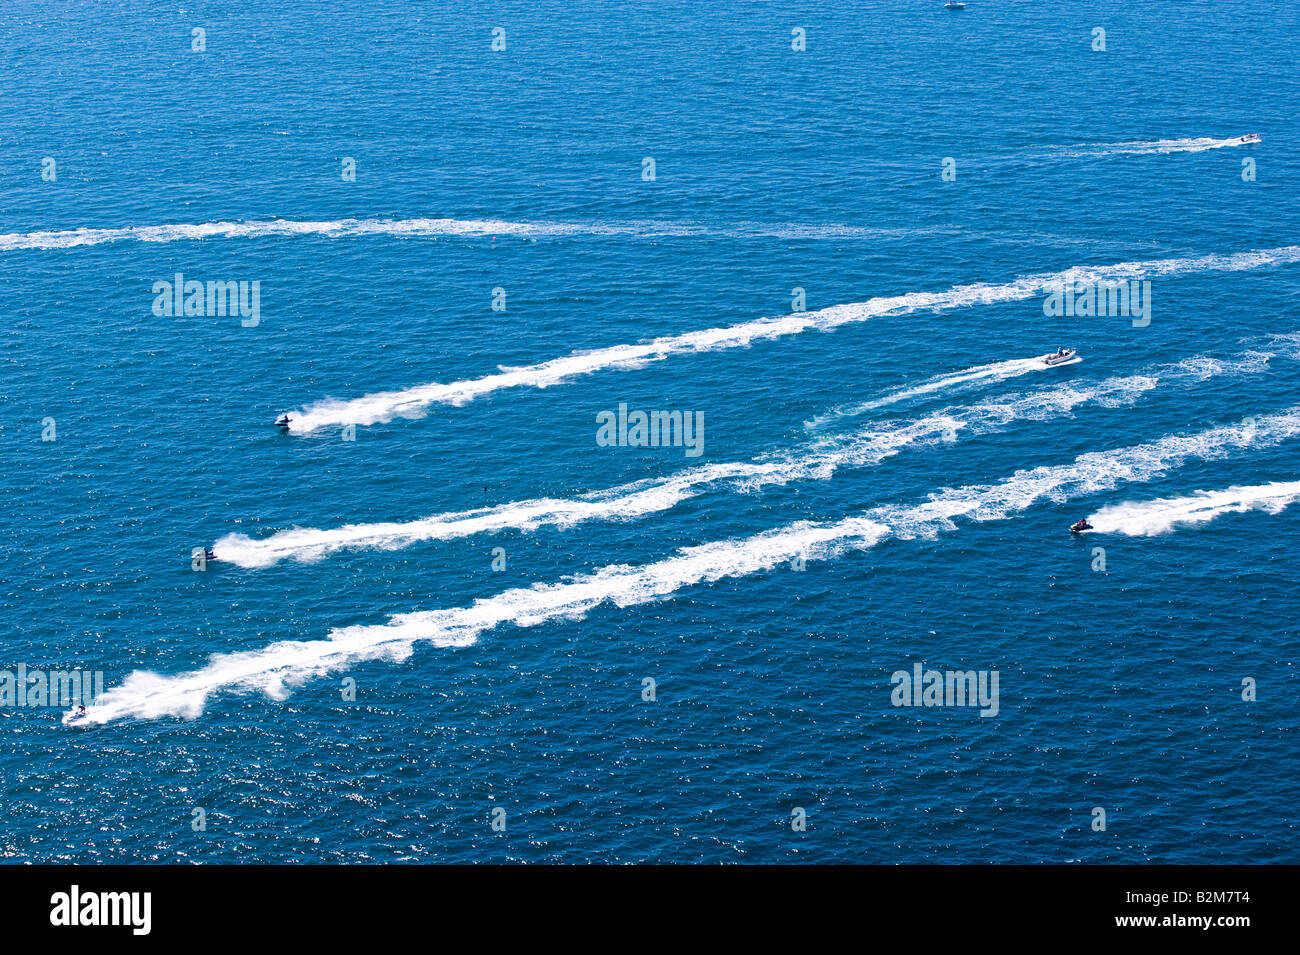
<point>1061,357</point>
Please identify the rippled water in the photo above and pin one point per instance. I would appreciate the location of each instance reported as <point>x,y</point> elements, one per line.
<point>890,440</point>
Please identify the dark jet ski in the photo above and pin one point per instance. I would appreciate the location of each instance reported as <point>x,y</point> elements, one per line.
<point>1080,525</point>
<point>282,421</point>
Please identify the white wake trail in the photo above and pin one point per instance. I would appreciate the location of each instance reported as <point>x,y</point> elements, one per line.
<point>1162,515</point>
<point>1155,147</point>
<point>953,381</point>
<point>435,228</point>
<point>277,668</point>
<point>622,503</point>
<point>415,402</point>
<point>817,460</point>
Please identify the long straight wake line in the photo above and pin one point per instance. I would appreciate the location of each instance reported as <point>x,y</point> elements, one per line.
<point>433,228</point>
<point>415,402</point>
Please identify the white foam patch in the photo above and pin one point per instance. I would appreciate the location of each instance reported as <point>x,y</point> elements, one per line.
<point>415,402</point>
<point>817,460</point>
<point>1162,515</point>
<point>1286,344</point>
<point>279,667</point>
<point>435,228</point>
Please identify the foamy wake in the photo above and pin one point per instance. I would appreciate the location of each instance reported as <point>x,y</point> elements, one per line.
<point>1158,146</point>
<point>435,228</point>
<point>622,503</point>
<point>277,668</point>
<point>818,460</point>
<point>1148,518</point>
<point>415,402</point>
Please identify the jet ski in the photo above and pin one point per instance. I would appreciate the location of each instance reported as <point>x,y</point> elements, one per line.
<point>282,421</point>
<point>1060,357</point>
<point>75,717</point>
<point>1080,526</point>
<point>954,5</point>
<point>1250,138</point>
<point>208,555</point>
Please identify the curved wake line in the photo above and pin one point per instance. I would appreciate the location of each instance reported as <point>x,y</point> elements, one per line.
<point>819,460</point>
<point>427,228</point>
<point>415,402</point>
<point>954,381</point>
<point>276,668</point>
<point>1159,516</point>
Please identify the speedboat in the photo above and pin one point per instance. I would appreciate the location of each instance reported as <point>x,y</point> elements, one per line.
<point>1060,357</point>
<point>1080,526</point>
<point>1250,138</point>
<point>282,421</point>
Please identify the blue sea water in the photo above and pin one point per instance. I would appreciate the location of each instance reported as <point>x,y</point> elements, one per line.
<point>774,169</point>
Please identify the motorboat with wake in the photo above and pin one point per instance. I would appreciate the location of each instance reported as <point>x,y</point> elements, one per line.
<point>1061,357</point>
<point>1079,526</point>
<point>954,5</point>
<point>1249,138</point>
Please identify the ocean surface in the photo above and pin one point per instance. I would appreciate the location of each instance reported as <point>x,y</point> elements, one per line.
<point>884,478</point>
